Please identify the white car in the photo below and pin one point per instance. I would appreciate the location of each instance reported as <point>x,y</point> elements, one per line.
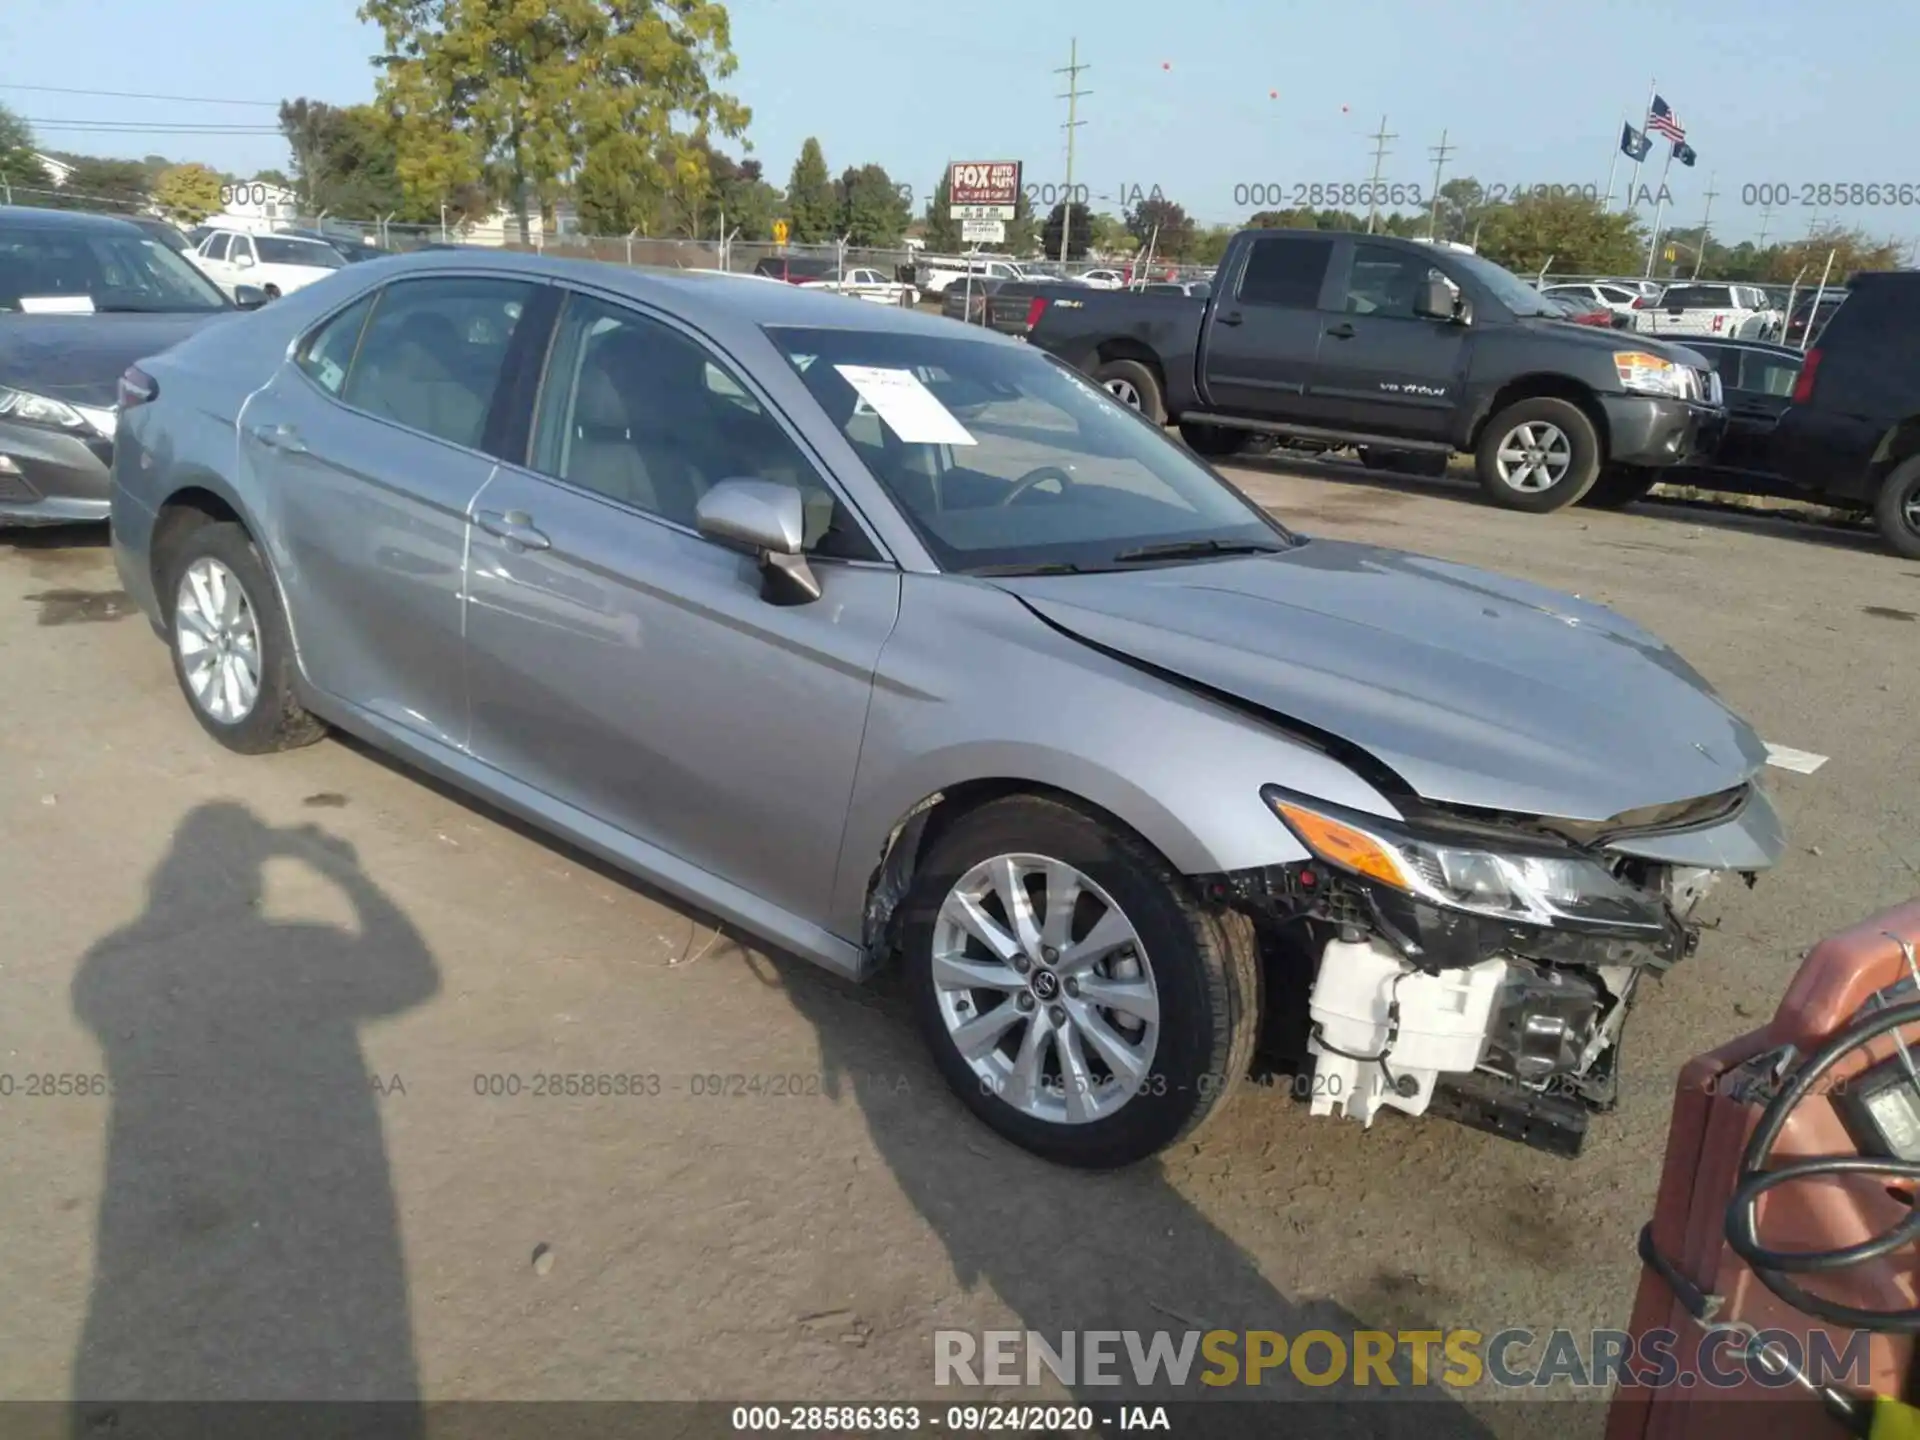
<point>871,285</point>
<point>1617,298</point>
<point>1102,279</point>
<point>1732,312</point>
<point>942,273</point>
<point>277,264</point>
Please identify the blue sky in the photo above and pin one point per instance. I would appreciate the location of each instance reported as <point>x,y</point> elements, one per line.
<point>1233,94</point>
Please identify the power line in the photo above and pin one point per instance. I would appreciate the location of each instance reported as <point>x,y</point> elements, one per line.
<point>140,95</point>
<point>135,128</point>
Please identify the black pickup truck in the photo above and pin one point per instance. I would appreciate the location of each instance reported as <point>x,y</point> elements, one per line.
<point>1402,350</point>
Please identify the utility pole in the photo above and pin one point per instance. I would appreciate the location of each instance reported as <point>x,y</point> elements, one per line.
<point>1439,153</point>
<point>1766,219</point>
<point>1380,153</point>
<point>1074,94</point>
<point>1705,220</point>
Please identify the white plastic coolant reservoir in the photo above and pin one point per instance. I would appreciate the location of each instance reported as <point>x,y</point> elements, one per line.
<point>1443,1027</point>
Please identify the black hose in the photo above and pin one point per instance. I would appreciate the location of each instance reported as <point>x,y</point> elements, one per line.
<point>1774,1266</point>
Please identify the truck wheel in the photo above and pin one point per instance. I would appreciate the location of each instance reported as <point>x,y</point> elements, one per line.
<point>1898,509</point>
<point>1538,455</point>
<point>1620,486</point>
<point>1216,441</point>
<point>1075,993</point>
<point>1134,386</point>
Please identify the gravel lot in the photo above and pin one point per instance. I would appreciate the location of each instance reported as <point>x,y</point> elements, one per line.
<point>295,968</point>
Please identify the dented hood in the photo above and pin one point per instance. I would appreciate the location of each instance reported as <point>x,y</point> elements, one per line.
<point>1476,689</point>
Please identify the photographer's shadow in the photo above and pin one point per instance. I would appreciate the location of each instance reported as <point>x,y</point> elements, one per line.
<point>248,1243</point>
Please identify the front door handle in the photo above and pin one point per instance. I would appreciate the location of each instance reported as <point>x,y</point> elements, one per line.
<point>1342,331</point>
<point>1233,317</point>
<point>515,527</point>
<point>279,437</point>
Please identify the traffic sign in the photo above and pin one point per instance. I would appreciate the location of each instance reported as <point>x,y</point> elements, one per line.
<point>983,232</point>
<point>779,232</point>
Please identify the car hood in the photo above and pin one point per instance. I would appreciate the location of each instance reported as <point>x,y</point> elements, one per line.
<point>1474,688</point>
<point>1609,339</point>
<point>79,358</point>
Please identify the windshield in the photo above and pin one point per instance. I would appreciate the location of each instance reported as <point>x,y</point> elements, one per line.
<point>278,250</point>
<point>1003,459</point>
<point>76,268</point>
<point>1509,289</point>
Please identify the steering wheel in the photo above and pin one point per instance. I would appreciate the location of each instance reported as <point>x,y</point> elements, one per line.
<point>1037,477</point>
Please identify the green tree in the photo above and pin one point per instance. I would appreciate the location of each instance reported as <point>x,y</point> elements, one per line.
<point>106,185</point>
<point>1079,232</point>
<point>519,96</point>
<point>942,230</point>
<point>1463,206</point>
<point>274,177</point>
<point>188,193</point>
<point>1852,252</point>
<point>813,213</point>
<point>1210,245</point>
<point>19,165</point>
<point>747,202</point>
<point>1571,231</point>
<point>1106,233</point>
<point>1023,232</point>
<point>1162,223</point>
<point>874,211</point>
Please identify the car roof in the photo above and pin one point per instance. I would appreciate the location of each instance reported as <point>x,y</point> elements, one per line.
<point>702,298</point>
<point>28,217</point>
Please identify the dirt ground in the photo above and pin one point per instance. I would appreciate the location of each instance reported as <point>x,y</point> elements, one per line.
<point>302,974</point>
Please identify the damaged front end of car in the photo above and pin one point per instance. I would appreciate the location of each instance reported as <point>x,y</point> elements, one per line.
<point>1481,967</point>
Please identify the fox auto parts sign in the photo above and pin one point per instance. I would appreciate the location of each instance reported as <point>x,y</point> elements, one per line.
<point>991,186</point>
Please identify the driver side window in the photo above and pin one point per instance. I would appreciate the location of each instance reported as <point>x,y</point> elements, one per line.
<point>1386,281</point>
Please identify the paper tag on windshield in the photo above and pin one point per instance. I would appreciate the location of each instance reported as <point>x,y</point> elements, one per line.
<point>56,305</point>
<point>910,410</point>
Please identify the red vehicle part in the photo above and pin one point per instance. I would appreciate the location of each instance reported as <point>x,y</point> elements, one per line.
<point>1713,1117</point>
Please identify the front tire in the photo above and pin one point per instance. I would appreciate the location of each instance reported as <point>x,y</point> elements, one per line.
<point>1897,511</point>
<point>1538,455</point>
<point>232,650</point>
<point>1134,386</point>
<point>1620,486</point>
<point>1075,994</point>
<point>1216,442</point>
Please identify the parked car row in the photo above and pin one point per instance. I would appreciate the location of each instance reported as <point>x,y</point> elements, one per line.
<point>1426,849</point>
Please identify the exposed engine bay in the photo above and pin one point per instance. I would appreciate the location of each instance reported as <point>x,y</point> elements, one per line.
<point>1478,971</point>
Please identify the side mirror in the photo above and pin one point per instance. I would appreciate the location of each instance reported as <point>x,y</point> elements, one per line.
<point>243,262</point>
<point>1434,301</point>
<point>249,297</point>
<point>767,518</point>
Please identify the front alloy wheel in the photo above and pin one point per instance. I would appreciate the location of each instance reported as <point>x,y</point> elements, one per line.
<point>1538,454</point>
<point>218,641</point>
<point>1534,457</point>
<point>1075,991</point>
<point>1045,989</point>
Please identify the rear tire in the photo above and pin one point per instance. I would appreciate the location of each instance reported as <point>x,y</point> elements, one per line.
<point>1620,486</point>
<point>1214,441</point>
<point>1538,455</point>
<point>1194,969</point>
<point>225,629</point>
<point>1897,511</point>
<point>1134,386</point>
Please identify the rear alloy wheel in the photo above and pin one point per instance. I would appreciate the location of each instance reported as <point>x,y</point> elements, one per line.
<point>1620,486</point>
<point>231,650</point>
<point>1134,386</point>
<point>1538,455</point>
<point>1075,994</point>
<point>1214,441</point>
<point>1897,511</point>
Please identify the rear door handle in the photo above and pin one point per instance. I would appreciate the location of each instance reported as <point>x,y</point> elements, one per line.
<point>515,527</point>
<point>1342,331</point>
<point>279,437</point>
<point>1234,318</point>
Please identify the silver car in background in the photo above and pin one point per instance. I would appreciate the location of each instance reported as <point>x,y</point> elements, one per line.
<point>893,641</point>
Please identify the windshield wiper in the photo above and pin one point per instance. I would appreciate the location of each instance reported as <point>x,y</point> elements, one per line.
<point>1049,567</point>
<point>1191,549</point>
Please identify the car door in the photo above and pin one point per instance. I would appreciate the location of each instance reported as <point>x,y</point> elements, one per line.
<point>1382,369</point>
<point>1263,336</point>
<point>213,258</point>
<point>1759,388</point>
<point>625,665</point>
<point>372,442</point>
<point>243,266</point>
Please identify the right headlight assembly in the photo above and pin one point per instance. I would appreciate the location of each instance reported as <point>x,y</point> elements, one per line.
<point>1519,885</point>
<point>1644,374</point>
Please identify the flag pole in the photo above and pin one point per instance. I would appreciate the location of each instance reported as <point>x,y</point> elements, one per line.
<point>1653,93</point>
<point>1614,169</point>
<point>1660,204</point>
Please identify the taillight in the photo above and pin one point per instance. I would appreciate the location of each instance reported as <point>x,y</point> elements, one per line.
<point>1035,310</point>
<point>1803,387</point>
<point>1640,303</point>
<point>136,387</point>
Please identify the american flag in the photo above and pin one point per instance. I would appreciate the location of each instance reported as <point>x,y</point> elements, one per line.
<point>1662,121</point>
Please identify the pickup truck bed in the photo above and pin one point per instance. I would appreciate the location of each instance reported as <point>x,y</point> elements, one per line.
<point>1398,349</point>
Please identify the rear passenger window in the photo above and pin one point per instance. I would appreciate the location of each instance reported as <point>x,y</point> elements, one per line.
<point>1286,272</point>
<point>328,354</point>
<point>433,352</point>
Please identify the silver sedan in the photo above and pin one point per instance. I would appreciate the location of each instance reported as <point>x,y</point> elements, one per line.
<point>893,641</point>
